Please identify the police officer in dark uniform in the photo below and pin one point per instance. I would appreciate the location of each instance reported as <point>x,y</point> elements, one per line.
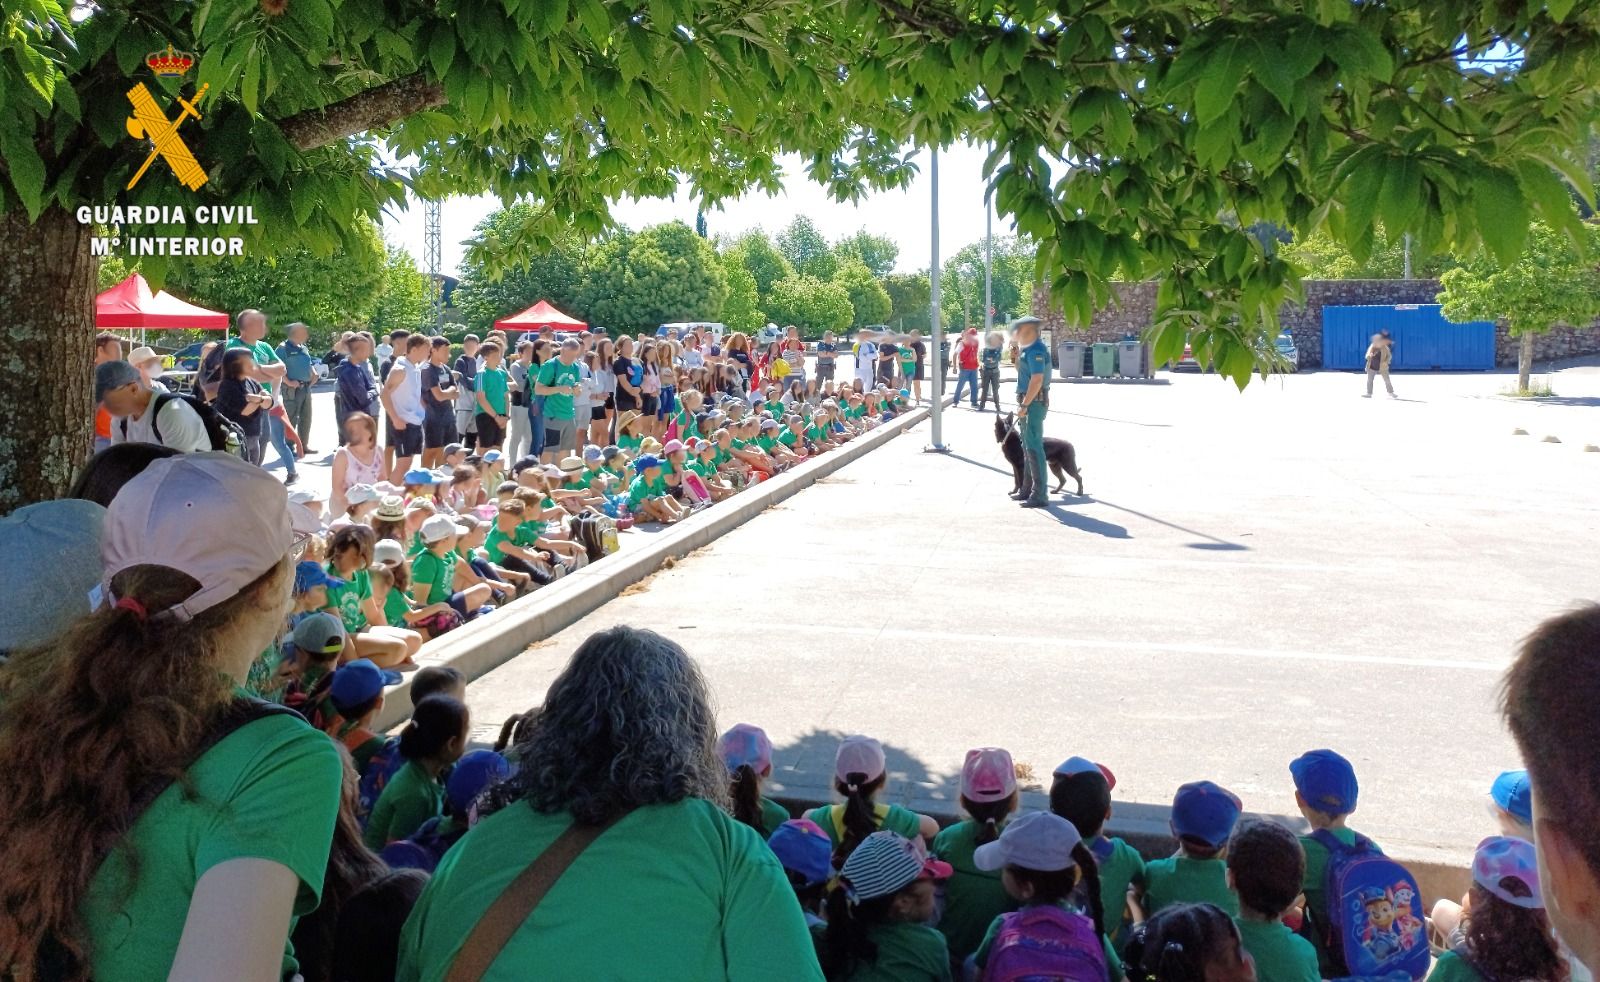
<point>1033,401</point>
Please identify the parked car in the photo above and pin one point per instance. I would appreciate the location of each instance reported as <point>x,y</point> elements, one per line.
<point>1186,362</point>
<point>1289,351</point>
<point>681,329</point>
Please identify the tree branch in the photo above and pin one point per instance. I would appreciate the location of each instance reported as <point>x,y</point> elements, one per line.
<point>366,110</point>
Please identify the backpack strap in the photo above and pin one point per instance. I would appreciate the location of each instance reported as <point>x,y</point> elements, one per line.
<point>518,901</point>
<point>162,398</point>
<point>1337,847</point>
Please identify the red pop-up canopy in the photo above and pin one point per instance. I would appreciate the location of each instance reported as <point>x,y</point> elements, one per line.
<point>541,314</point>
<point>130,304</point>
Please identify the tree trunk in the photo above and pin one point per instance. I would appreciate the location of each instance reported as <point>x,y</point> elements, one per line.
<point>1524,361</point>
<point>47,289</point>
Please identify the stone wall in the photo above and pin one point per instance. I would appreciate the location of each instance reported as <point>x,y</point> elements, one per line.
<point>1132,311</point>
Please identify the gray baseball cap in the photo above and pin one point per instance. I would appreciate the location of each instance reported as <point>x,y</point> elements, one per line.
<point>112,375</point>
<point>53,549</point>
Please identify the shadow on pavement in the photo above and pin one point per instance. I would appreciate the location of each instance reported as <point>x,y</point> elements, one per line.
<point>1085,523</point>
<point>1109,419</point>
<point>978,463</point>
<point>1589,401</point>
<point>807,763</point>
<point>1212,542</point>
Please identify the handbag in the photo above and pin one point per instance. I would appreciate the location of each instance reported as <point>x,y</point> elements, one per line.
<point>519,899</point>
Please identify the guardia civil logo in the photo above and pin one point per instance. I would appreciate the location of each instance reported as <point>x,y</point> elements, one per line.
<point>150,122</point>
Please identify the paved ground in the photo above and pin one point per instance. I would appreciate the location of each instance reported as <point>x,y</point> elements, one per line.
<point>1249,576</point>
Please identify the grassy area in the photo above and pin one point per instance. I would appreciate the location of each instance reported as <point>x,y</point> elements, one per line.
<point>1538,388</point>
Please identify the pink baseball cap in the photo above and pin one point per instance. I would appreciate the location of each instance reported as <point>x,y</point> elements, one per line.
<point>746,744</point>
<point>213,516</point>
<point>859,755</point>
<point>673,446</point>
<point>1501,857</point>
<point>988,775</point>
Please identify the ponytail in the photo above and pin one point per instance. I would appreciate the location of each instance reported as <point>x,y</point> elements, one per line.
<point>847,941</point>
<point>434,722</point>
<point>746,794</point>
<point>989,815</point>
<point>860,818</point>
<point>1089,869</point>
<point>1177,943</point>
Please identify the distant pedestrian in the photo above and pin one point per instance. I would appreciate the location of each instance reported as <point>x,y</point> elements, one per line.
<point>145,359</point>
<point>966,358</point>
<point>1379,354</point>
<point>920,350</point>
<point>107,347</point>
<point>298,379</point>
<point>989,370</point>
<point>145,415</point>
<point>356,390</point>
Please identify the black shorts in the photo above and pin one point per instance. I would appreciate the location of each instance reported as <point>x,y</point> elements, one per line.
<point>626,402</point>
<point>648,404</point>
<point>489,432</point>
<point>406,442</point>
<point>439,429</point>
<point>598,412</point>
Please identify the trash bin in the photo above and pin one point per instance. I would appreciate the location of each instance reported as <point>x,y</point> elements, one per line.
<point>1129,360</point>
<point>1105,356</point>
<point>1069,355</point>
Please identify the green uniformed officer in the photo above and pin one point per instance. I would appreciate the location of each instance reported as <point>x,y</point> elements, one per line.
<point>1033,401</point>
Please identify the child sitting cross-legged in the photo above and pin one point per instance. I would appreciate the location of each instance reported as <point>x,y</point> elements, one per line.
<point>1080,792</point>
<point>1041,858</point>
<point>391,589</point>
<point>435,576</point>
<point>878,915</point>
<point>1203,816</point>
<point>1265,868</point>
<point>648,495</point>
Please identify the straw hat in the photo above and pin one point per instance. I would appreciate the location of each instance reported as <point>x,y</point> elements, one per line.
<point>627,417</point>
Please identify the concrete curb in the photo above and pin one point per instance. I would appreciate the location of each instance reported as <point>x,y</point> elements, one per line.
<point>479,647</point>
<point>1440,873</point>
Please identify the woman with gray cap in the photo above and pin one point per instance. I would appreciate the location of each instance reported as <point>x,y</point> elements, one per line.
<point>157,825</point>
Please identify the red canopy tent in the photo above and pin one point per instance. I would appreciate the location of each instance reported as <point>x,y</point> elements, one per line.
<point>541,314</point>
<point>131,306</point>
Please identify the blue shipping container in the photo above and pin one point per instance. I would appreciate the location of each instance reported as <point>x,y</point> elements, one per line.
<point>1423,339</point>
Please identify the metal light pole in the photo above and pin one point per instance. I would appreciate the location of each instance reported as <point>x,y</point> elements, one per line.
<point>988,265</point>
<point>936,327</point>
<point>1406,274</point>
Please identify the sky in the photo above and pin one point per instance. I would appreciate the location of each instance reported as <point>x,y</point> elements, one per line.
<point>902,216</point>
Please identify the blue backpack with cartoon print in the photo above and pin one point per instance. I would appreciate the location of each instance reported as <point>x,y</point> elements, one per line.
<point>382,766</point>
<point>1375,928</point>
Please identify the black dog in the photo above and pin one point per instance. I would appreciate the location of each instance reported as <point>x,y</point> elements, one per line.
<point>1059,455</point>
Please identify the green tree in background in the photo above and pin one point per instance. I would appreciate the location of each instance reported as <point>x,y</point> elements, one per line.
<point>328,294</point>
<point>810,304</point>
<point>404,298</point>
<point>741,311</point>
<point>664,273</point>
<point>1553,281</point>
<point>876,252</point>
<point>1011,284</point>
<point>1320,257</point>
<point>909,300</point>
<point>756,253</point>
<point>806,249</point>
<point>552,272</point>
<point>868,299</point>
<point>1311,114</point>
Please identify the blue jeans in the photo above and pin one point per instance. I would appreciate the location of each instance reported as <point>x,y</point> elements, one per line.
<point>280,443</point>
<point>1036,479</point>
<point>967,377</point>
<point>536,444</point>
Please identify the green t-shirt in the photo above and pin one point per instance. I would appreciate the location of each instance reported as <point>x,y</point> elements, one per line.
<point>554,373</point>
<point>528,533</point>
<point>906,953</point>
<point>815,434</point>
<point>269,790</point>
<point>395,607</point>
<point>1113,962</point>
<point>706,899</point>
<point>493,383</point>
<point>766,442</point>
<point>772,815</point>
<point>641,488</point>
<point>346,600</point>
<point>973,898</point>
<point>1450,967</point>
<point>1314,886</point>
<point>720,457</point>
<point>523,535</point>
<point>1123,867</point>
<point>789,438</point>
<point>262,352</point>
<point>891,817</point>
<point>775,408</point>
<point>630,443</point>
<point>738,444</point>
<point>1280,954</point>
<point>1181,880</point>
<point>410,798</point>
<point>434,573</point>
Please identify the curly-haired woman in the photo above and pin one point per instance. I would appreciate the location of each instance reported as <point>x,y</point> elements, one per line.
<point>155,826</point>
<point>672,888</point>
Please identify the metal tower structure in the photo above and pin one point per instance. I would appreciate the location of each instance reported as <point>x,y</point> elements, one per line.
<point>432,258</point>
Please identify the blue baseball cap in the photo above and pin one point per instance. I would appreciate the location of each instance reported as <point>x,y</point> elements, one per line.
<point>474,773</point>
<point>358,682</point>
<point>1513,795</point>
<point>492,457</point>
<point>420,475</point>
<point>645,463</point>
<point>1205,811</point>
<point>803,849</point>
<point>1326,781</point>
<point>309,575</point>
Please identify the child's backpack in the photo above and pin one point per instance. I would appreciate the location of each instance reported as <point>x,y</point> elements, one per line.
<point>695,490</point>
<point>385,764</point>
<point>597,534</point>
<point>1375,928</point>
<point>224,433</point>
<point>423,850</point>
<point>1046,942</point>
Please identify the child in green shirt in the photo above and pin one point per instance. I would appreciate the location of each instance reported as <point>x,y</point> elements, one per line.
<point>1080,792</point>
<point>878,915</point>
<point>974,897</point>
<point>435,738</point>
<point>1325,789</point>
<point>434,571</point>
<point>649,498</point>
<point>1203,816</point>
<point>747,751</point>
<point>1265,868</point>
